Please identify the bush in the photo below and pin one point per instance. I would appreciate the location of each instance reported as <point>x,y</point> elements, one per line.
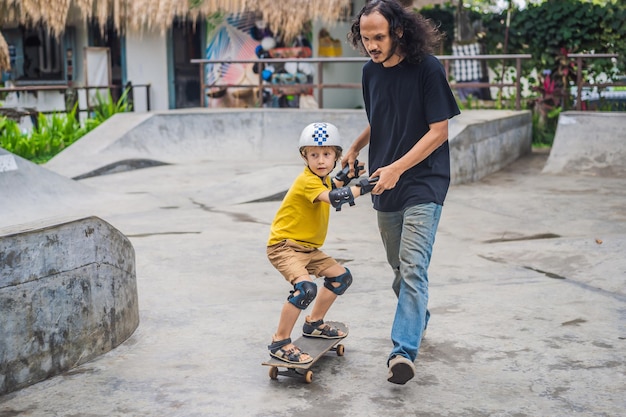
<point>54,133</point>
<point>552,29</point>
<point>50,136</point>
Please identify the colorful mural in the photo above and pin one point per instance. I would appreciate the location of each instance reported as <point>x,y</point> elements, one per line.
<point>229,37</point>
<point>244,36</point>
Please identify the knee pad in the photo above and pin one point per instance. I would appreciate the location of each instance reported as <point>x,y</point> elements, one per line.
<point>306,290</point>
<point>344,280</point>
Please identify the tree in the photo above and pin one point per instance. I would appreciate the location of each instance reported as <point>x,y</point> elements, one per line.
<point>553,29</point>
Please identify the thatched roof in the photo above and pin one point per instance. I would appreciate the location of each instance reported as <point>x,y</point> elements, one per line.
<point>286,16</point>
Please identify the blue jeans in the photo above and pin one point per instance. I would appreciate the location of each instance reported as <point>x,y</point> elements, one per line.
<point>408,237</point>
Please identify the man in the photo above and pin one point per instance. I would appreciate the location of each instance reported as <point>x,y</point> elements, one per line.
<point>408,103</point>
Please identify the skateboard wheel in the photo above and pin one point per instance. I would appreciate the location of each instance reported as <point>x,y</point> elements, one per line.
<point>340,350</point>
<point>308,377</point>
<point>274,372</point>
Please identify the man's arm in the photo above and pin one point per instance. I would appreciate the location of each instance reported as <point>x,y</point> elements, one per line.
<point>431,141</point>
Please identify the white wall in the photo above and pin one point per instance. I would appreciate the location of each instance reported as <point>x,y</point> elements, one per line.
<point>146,63</point>
<point>76,20</point>
<point>341,72</point>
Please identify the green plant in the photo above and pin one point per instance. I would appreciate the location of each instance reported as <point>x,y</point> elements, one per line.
<point>50,136</point>
<point>106,107</point>
<point>54,133</point>
<point>543,130</point>
<point>12,138</point>
<point>548,29</point>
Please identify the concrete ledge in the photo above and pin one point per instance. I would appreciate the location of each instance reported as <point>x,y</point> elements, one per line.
<point>482,141</point>
<point>68,293</point>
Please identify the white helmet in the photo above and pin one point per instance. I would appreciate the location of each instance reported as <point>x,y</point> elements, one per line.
<point>320,134</point>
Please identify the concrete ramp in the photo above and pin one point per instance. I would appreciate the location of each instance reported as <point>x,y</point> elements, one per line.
<point>258,145</point>
<point>481,141</point>
<point>25,186</point>
<point>589,143</point>
<point>194,135</point>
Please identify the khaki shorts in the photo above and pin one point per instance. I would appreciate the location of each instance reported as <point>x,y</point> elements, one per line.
<point>293,260</point>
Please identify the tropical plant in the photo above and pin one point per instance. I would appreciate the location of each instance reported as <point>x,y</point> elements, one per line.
<point>51,134</point>
<point>106,107</point>
<point>549,31</point>
<point>574,26</point>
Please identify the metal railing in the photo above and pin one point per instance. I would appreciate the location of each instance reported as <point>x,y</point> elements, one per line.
<point>579,75</point>
<point>447,60</point>
<point>65,88</point>
<point>320,85</point>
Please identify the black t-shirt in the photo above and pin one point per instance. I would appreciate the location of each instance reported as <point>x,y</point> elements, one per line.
<point>401,102</point>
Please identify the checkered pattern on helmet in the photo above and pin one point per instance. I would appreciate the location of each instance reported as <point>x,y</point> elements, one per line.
<point>320,133</point>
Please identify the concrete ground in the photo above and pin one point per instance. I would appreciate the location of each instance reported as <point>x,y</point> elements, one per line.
<point>528,302</point>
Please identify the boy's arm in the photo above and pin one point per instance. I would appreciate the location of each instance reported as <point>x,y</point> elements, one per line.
<point>325,195</point>
<point>339,196</point>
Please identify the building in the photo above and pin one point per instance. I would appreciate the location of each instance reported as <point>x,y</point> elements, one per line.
<point>147,44</point>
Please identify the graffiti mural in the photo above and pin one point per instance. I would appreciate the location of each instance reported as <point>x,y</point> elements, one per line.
<point>244,36</point>
<point>229,37</point>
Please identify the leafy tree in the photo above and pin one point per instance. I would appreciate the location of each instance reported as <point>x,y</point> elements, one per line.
<point>548,30</point>
<point>553,29</point>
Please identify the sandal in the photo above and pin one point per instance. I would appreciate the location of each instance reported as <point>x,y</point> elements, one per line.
<point>325,332</point>
<point>292,355</point>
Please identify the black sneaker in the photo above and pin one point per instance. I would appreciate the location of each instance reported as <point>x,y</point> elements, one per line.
<point>401,370</point>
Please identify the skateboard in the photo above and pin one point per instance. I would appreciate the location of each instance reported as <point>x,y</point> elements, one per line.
<point>316,347</point>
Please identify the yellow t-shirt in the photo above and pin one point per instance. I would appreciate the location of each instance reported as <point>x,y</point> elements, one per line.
<point>301,218</point>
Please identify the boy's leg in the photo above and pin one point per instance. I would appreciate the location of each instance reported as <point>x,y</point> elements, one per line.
<point>288,317</point>
<point>325,297</point>
<point>289,314</point>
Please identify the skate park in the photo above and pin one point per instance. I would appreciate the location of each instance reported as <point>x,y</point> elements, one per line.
<point>527,288</point>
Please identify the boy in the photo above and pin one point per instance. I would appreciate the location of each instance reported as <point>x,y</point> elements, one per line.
<point>299,230</point>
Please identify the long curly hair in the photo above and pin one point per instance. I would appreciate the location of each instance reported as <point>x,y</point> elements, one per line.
<point>420,36</point>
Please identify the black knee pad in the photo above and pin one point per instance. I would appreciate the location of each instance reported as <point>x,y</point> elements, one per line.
<point>306,290</point>
<point>344,280</point>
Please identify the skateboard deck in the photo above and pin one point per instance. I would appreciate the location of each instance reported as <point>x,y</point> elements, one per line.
<point>316,347</point>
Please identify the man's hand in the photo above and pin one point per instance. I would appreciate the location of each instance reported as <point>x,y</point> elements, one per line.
<point>388,177</point>
<point>367,184</point>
